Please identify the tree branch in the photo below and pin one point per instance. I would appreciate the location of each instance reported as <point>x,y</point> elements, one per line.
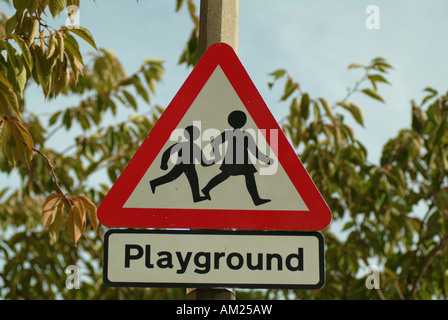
<point>50,165</point>
<point>426,265</point>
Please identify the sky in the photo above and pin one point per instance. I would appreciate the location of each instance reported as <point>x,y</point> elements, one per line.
<point>314,40</point>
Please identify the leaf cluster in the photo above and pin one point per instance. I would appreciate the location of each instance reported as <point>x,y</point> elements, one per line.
<point>54,203</point>
<point>376,205</point>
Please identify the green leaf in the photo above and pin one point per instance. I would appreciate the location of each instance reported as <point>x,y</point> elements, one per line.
<point>305,106</point>
<point>130,99</point>
<point>441,132</point>
<point>377,78</point>
<point>316,112</point>
<point>32,6</point>
<point>11,100</point>
<point>71,45</point>
<point>26,53</point>
<point>4,132</point>
<point>179,4</point>
<point>20,5</point>
<point>43,70</point>
<point>61,76</point>
<point>140,88</point>
<point>278,73</point>
<point>327,107</point>
<point>374,78</point>
<point>11,24</point>
<point>56,6</point>
<point>373,94</point>
<point>84,34</point>
<point>4,80</point>
<point>4,106</point>
<point>294,108</point>
<point>380,64</point>
<point>355,110</point>
<point>289,89</point>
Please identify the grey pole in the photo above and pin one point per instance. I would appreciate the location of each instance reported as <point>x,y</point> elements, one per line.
<point>218,22</point>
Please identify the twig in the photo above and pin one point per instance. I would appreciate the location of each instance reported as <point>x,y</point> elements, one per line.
<point>356,86</point>
<point>51,169</point>
<point>50,165</point>
<point>425,267</point>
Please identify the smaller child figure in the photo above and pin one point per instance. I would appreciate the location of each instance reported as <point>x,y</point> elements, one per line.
<point>187,153</point>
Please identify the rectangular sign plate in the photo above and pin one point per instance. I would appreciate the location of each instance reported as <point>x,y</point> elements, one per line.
<point>243,259</point>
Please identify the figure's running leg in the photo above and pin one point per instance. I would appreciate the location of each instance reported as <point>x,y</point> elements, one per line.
<point>192,177</point>
<point>214,182</point>
<point>170,176</point>
<point>252,188</point>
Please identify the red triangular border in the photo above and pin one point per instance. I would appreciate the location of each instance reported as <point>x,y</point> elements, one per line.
<point>112,214</point>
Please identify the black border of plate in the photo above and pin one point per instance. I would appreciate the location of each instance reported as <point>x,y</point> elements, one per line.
<point>316,234</point>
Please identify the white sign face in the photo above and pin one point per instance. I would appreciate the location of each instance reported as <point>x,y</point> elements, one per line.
<point>209,116</point>
<point>243,259</point>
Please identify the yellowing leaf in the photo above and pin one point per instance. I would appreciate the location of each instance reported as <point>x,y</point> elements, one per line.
<point>26,136</point>
<point>33,31</point>
<point>57,222</point>
<point>75,64</point>
<point>90,209</point>
<point>50,208</point>
<point>60,45</point>
<point>75,222</point>
<point>51,46</point>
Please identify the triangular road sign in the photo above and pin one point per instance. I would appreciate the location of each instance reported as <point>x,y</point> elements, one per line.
<point>216,159</point>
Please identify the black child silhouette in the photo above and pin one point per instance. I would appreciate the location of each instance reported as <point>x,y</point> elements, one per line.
<point>236,160</point>
<point>187,152</point>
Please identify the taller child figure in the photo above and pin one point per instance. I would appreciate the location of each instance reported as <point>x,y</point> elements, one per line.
<point>236,160</point>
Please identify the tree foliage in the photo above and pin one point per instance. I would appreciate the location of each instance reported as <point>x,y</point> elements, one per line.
<point>378,204</point>
<point>48,221</point>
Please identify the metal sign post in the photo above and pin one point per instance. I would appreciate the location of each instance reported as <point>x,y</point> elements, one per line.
<point>218,22</point>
